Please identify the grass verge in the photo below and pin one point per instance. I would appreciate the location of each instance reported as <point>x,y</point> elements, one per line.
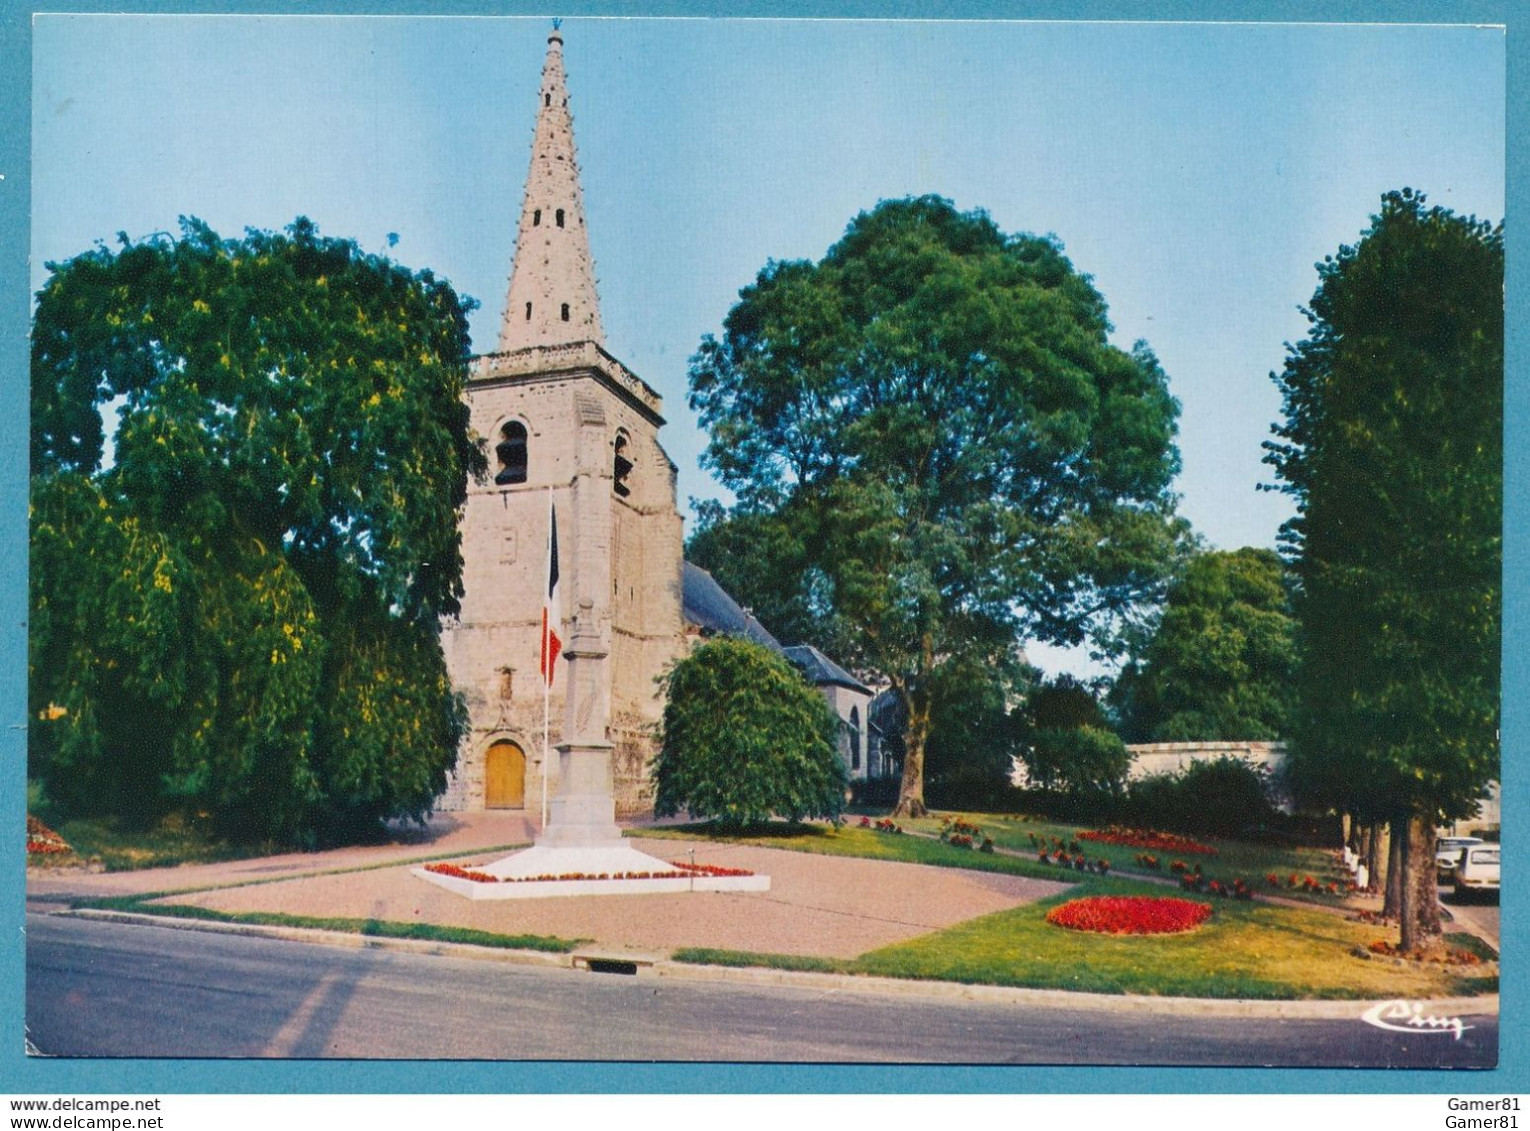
<point>712,956</point>
<point>376,928</point>
<point>1461,940</point>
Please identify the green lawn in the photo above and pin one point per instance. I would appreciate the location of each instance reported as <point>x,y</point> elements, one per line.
<point>1253,862</point>
<point>850,840</point>
<point>1245,950</point>
<point>1233,858</point>
<point>1253,949</point>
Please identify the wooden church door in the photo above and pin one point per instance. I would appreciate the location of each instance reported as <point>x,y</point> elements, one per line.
<point>505,777</point>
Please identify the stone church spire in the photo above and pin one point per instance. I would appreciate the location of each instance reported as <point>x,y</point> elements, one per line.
<point>552,298</point>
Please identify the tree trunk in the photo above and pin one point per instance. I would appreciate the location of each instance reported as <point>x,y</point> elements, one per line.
<point>1394,838</point>
<point>1420,912</point>
<point>1375,854</point>
<point>916,703</point>
<point>911,788</point>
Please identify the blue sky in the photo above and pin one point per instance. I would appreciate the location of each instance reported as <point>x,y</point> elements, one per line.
<point>1196,171</point>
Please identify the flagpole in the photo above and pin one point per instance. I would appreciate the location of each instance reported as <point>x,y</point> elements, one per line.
<point>547,675</point>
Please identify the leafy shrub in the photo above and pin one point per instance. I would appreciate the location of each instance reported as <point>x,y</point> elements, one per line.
<point>745,738</point>
<point>1071,748</point>
<point>1216,798</point>
<point>1083,761</point>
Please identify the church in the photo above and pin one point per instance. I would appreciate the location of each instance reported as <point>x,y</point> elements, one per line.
<point>571,430</point>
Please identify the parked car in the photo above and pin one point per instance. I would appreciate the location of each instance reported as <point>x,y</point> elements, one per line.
<point>1477,869</point>
<point>1447,850</point>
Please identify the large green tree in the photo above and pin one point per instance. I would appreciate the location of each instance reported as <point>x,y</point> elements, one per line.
<point>1392,448</point>
<point>934,425</point>
<point>1221,662</point>
<point>239,612</point>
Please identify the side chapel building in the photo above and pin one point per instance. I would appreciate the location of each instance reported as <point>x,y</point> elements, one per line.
<point>568,423</point>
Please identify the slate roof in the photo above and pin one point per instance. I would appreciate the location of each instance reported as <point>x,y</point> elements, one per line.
<point>708,606</point>
<point>820,669</point>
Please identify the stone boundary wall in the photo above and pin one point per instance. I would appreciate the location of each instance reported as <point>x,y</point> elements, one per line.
<point>1149,758</point>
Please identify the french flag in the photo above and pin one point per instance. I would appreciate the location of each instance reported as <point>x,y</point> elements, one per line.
<point>551,645</point>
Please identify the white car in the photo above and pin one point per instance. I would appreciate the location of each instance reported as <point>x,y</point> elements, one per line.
<point>1447,850</point>
<point>1477,869</point>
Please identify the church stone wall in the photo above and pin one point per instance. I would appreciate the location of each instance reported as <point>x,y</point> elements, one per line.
<point>646,598</point>
<point>493,649</point>
<point>621,554</point>
<point>841,701</point>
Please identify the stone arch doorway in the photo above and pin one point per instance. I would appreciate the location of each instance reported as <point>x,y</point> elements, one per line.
<point>504,779</point>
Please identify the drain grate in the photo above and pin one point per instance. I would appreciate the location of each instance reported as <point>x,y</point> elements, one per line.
<point>610,966</point>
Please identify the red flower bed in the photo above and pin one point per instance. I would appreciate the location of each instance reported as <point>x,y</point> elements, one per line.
<point>1129,915</point>
<point>681,872</point>
<point>43,841</point>
<point>460,873</point>
<point>1149,838</point>
<point>711,869</point>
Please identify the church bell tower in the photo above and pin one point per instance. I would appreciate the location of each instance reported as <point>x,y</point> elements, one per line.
<point>566,426</point>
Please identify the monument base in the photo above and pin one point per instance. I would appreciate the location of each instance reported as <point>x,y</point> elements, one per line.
<point>581,851</point>
<point>544,872</point>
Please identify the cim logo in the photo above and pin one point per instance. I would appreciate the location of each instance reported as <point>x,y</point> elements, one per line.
<point>1409,1017</point>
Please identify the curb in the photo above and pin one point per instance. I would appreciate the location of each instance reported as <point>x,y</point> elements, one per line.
<point>1486,1005</point>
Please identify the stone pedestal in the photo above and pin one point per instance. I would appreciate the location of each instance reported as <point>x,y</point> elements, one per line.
<point>583,814</point>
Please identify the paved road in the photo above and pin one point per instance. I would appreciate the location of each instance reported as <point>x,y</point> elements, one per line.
<point>112,989</point>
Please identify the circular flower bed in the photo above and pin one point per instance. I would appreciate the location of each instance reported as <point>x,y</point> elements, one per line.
<point>1130,915</point>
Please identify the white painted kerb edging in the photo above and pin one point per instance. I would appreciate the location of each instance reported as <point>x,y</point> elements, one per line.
<point>549,889</point>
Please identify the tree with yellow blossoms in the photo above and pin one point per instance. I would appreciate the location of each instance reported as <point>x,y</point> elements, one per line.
<point>238,612</point>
